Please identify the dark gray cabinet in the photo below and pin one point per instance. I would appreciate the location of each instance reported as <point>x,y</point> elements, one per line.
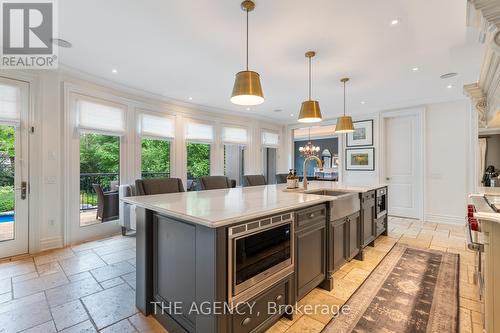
<point>337,246</point>
<point>310,249</point>
<point>354,226</point>
<point>368,228</point>
<point>259,318</point>
<point>344,240</point>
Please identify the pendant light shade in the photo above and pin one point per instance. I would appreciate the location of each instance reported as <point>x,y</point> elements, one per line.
<point>310,111</point>
<point>344,123</point>
<point>247,89</point>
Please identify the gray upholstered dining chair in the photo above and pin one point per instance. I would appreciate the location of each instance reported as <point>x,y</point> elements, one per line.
<point>216,182</point>
<point>254,180</point>
<point>158,186</point>
<point>281,178</point>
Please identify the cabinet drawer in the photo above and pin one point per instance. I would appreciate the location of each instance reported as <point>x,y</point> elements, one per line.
<point>310,216</point>
<point>248,319</point>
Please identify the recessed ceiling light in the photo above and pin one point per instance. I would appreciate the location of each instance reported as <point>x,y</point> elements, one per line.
<point>190,98</point>
<point>414,69</point>
<point>292,115</point>
<point>394,22</point>
<point>363,102</point>
<point>449,86</point>
<point>448,75</point>
<point>114,71</point>
<point>61,42</point>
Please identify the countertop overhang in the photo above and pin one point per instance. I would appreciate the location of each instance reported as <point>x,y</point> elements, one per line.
<point>216,208</point>
<point>483,210</point>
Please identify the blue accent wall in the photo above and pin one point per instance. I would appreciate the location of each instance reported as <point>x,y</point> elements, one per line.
<point>331,144</point>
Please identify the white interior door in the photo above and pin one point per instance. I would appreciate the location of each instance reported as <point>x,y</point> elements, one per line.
<point>14,106</point>
<point>402,165</point>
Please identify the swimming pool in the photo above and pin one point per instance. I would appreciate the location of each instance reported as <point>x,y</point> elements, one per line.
<point>6,218</point>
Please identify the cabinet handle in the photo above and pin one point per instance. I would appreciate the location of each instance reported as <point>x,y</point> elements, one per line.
<point>246,321</point>
<point>279,298</point>
<point>311,215</point>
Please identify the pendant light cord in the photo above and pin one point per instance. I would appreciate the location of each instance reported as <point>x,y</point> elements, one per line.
<point>247,39</point>
<point>344,98</point>
<point>309,78</point>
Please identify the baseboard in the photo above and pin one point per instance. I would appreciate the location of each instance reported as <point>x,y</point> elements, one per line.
<point>50,243</point>
<point>445,219</point>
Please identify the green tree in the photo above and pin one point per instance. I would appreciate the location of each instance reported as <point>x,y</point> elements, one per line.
<point>7,155</point>
<point>99,153</point>
<point>155,156</point>
<point>198,160</point>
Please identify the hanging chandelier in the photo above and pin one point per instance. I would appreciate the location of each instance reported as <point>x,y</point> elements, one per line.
<point>309,149</point>
<point>247,89</point>
<point>310,112</point>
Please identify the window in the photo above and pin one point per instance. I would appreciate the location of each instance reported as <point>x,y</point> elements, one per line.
<point>155,131</point>
<point>155,158</point>
<point>101,126</point>
<point>199,138</point>
<point>270,143</point>
<point>234,140</point>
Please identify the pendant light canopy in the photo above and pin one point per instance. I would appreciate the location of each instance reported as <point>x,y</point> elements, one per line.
<point>247,89</point>
<point>310,112</point>
<point>344,123</point>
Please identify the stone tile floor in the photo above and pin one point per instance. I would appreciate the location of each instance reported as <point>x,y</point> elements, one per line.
<point>90,287</point>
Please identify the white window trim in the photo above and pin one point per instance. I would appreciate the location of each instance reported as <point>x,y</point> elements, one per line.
<point>138,142</point>
<point>73,231</point>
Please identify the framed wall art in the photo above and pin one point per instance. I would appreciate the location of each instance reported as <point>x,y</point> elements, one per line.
<point>362,135</point>
<point>360,159</point>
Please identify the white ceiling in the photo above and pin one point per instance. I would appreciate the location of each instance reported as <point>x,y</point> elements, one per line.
<point>188,48</point>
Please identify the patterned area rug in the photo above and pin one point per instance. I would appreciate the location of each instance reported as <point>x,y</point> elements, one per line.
<point>411,290</point>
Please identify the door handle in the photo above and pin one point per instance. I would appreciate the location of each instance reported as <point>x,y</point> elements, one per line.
<point>387,178</point>
<point>23,189</point>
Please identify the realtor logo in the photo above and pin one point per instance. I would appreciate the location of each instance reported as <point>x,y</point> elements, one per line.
<point>27,33</point>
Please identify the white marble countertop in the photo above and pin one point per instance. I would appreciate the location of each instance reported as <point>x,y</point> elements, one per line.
<point>216,208</point>
<point>483,210</point>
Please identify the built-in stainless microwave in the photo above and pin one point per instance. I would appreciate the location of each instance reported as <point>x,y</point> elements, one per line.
<point>259,253</point>
<point>381,202</point>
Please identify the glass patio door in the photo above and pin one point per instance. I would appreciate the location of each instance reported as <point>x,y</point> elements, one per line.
<point>13,167</point>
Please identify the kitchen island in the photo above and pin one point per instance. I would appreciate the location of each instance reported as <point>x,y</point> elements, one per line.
<point>213,261</point>
<point>487,243</point>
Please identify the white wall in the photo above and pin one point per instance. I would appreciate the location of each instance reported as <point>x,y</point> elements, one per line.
<point>447,134</point>
<point>49,195</point>
<point>446,161</point>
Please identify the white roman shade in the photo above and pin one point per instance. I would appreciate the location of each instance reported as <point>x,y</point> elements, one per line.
<point>198,132</point>
<point>270,139</point>
<point>156,127</point>
<point>10,99</point>
<point>100,117</point>
<point>235,135</point>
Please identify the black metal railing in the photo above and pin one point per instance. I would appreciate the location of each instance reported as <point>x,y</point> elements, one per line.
<point>109,181</point>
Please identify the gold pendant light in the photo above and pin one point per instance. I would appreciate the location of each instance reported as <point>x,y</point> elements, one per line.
<point>310,112</point>
<point>247,89</point>
<point>344,123</point>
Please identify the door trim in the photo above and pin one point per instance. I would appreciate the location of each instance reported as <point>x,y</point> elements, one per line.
<point>35,219</point>
<point>419,112</point>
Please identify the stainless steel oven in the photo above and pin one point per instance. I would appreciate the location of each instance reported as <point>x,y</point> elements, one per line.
<point>381,202</point>
<point>259,253</point>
